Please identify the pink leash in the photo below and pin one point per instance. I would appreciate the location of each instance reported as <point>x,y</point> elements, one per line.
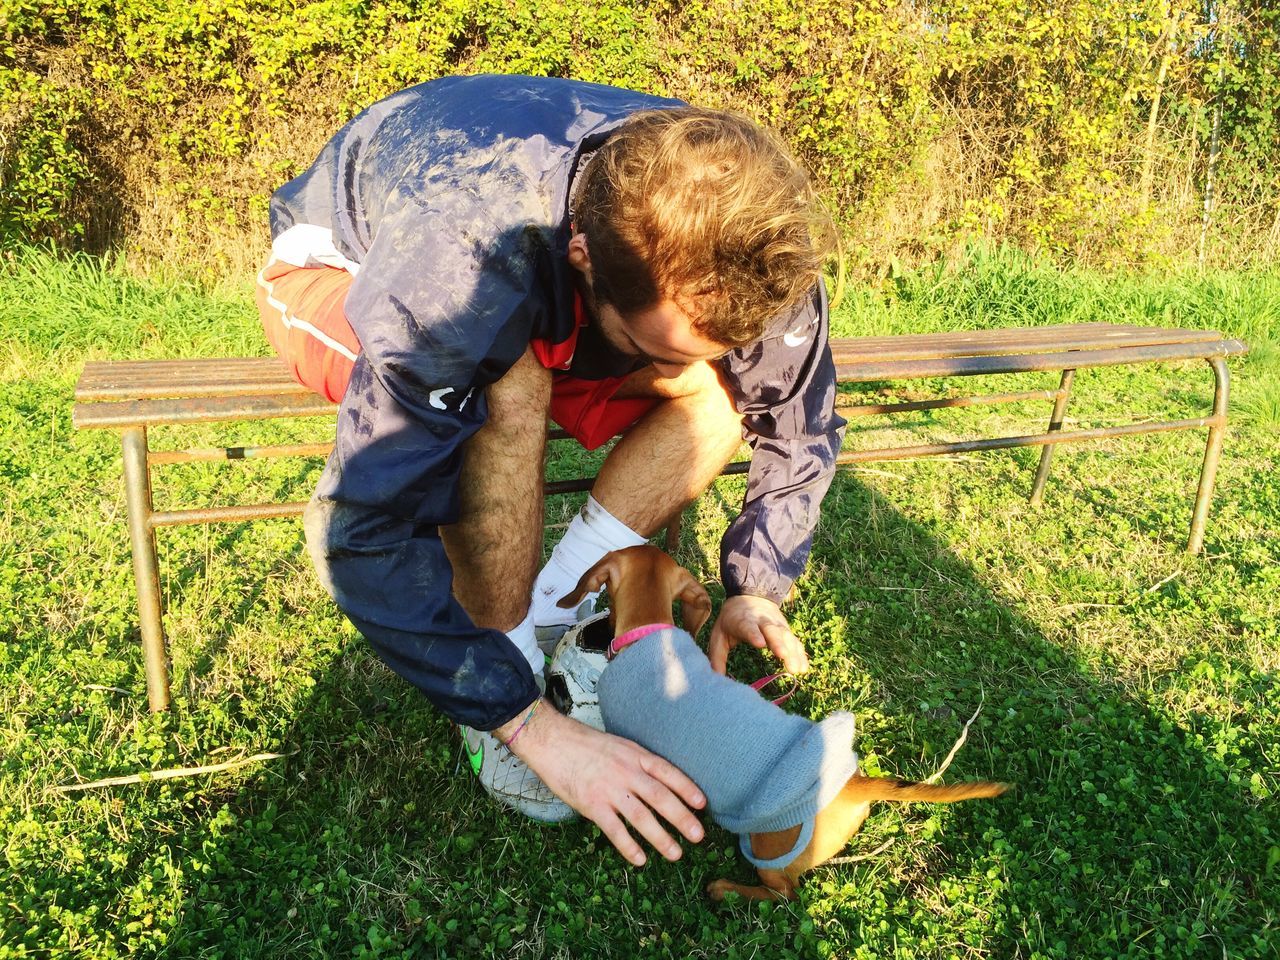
<point>765,681</point>
<point>631,636</point>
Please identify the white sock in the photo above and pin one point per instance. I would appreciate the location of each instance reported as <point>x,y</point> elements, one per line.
<point>522,636</point>
<point>593,533</point>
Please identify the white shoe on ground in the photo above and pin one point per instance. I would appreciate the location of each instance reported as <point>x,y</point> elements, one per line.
<point>509,780</point>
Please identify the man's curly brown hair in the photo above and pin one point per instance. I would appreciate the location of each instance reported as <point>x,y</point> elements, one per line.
<point>706,208</point>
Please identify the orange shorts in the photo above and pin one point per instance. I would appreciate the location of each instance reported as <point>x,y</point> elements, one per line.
<point>302,311</point>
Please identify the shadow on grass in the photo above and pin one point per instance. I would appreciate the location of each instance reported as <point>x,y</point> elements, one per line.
<point>1131,833</point>
<point>1127,827</point>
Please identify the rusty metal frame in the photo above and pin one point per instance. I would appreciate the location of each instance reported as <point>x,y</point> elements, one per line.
<point>1055,424</point>
<point>1216,422</point>
<point>146,569</point>
<point>143,518</point>
<point>1212,453</point>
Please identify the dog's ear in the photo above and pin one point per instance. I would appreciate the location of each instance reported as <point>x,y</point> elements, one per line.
<point>695,604</point>
<point>604,572</point>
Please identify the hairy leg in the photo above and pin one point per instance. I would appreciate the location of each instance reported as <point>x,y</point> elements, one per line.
<point>672,454</point>
<point>497,542</point>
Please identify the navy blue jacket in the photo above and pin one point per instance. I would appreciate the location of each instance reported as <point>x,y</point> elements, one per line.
<point>449,202</point>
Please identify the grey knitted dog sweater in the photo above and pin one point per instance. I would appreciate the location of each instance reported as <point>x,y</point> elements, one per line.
<point>761,768</point>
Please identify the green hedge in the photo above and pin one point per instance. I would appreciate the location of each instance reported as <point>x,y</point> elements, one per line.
<point>1081,128</point>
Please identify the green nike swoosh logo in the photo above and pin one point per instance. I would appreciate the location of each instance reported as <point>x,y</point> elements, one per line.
<point>475,758</point>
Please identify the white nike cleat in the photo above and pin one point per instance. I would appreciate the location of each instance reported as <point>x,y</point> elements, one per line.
<point>548,635</point>
<point>509,780</point>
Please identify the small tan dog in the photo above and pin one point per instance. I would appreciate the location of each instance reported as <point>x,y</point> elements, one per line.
<point>643,584</point>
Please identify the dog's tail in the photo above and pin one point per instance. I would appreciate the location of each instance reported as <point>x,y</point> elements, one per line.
<point>862,789</point>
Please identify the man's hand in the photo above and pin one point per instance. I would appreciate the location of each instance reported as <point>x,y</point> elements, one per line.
<point>610,781</point>
<point>759,622</point>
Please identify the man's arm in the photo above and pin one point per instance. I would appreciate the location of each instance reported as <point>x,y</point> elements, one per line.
<point>785,388</point>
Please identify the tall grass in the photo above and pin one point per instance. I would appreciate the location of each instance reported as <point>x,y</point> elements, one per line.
<point>83,306</point>
<point>78,302</point>
<point>1005,287</point>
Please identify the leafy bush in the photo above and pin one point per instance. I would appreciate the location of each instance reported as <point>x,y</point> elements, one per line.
<point>1082,128</point>
<point>43,165</point>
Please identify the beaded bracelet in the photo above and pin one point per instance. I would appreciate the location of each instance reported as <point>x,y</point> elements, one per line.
<point>523,724</point>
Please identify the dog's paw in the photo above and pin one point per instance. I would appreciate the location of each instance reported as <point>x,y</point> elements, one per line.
<point>718,890</point>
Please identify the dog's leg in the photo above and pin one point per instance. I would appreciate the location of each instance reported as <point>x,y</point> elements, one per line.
<point>775,885</point>
<point>832,830</point>
<point>834,826</point>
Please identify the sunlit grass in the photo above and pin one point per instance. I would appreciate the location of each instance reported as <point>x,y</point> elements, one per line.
<point>1129,689</point>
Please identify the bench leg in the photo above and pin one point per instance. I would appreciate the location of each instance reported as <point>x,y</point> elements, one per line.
<point>146,570</point>
<point>1055,424</point>
<point>1212,454</point>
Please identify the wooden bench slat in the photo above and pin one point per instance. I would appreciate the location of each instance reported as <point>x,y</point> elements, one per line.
<point>230,385</point>
<point>145,392</point>
<point>133,380</point>
<point>1052,335</point>
<point>205,373</point>
<point>154,379</point>
<point>964,366</point>
<point>929,346</point>
<point>196,367</point>
<point>181,382</point>
<point>142,413</point>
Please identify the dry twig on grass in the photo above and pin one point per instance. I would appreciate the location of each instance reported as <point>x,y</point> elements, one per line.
<point>955,748</point>
<point>862,856</point>
<point>173,772</point>
<point>1156,586</point>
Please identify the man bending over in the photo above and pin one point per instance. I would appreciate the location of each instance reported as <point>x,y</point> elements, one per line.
<point>473,255</point>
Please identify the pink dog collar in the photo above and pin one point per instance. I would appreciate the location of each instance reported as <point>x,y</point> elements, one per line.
<point>639,633</point>
<point>631,636</point>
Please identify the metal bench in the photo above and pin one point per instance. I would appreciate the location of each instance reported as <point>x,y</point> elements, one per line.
<point>134,396</point>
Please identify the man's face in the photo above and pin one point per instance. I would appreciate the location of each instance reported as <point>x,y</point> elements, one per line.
<point>662,335</point>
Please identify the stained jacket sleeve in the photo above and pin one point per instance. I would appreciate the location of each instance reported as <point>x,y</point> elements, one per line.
<point>440,316</point>
<point>785,388</point>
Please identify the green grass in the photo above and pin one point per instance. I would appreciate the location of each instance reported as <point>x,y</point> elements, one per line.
<point>1130,690</point>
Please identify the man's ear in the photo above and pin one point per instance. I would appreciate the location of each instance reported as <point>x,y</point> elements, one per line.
<point>695,604</point>
<point>604,572</point>
<point>578,256</point>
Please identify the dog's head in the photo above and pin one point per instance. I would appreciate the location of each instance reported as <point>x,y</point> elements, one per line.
<point>643,584</point>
